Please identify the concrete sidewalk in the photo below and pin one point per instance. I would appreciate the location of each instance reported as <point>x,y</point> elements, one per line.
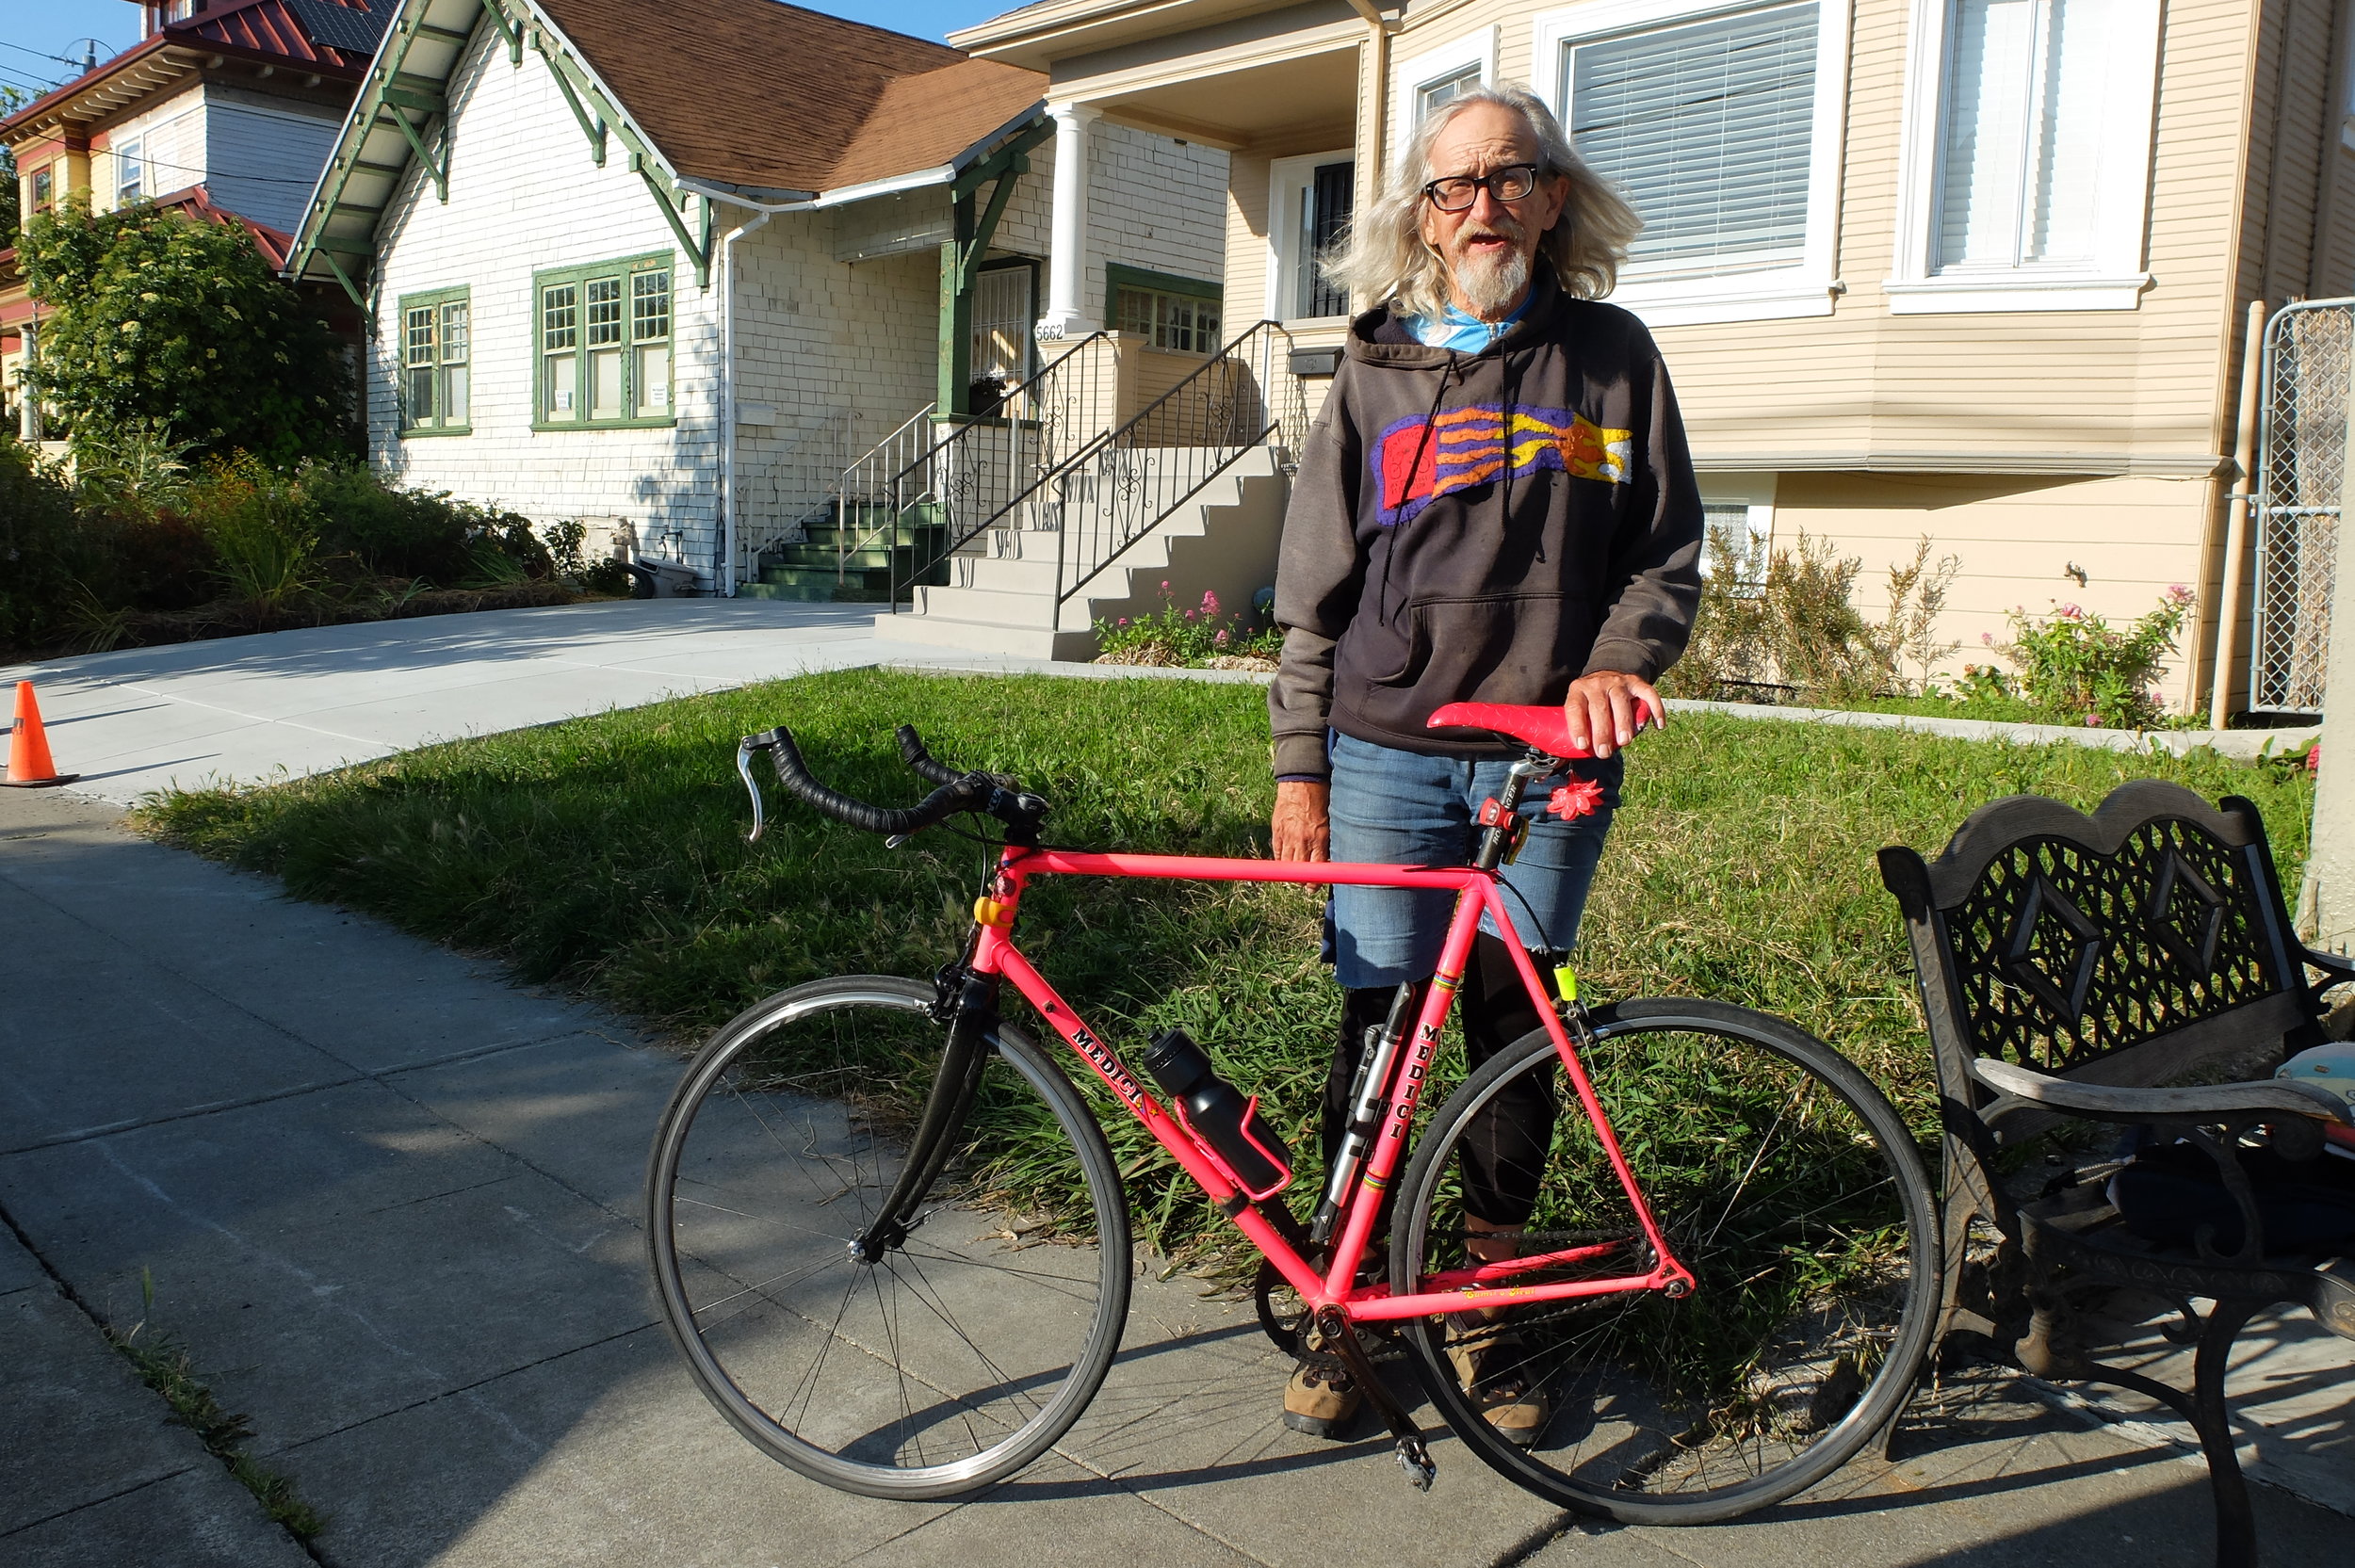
<point>389,1203</point>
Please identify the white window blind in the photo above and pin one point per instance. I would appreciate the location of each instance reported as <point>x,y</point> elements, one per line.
<point>2022,133</point>
<point>1708,129</point>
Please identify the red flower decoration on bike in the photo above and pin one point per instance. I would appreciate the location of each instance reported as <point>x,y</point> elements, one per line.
<point>1578,798</point>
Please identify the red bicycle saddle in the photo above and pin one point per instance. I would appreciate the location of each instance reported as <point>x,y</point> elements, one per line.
<point>1543,726</point>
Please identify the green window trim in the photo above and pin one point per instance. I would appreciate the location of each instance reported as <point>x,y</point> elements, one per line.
<point>433,350</point>
<point>602,338</point>
<point>1177,314</point>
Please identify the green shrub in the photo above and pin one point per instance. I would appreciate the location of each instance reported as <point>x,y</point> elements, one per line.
<point>406,534</point>
<point>264,531</point>
<point>43,554</point>
<point>140,470</point>
<point>1797,629</point>
<point>503,547</point>
<point>154,319</point>
<point>2085,670</point>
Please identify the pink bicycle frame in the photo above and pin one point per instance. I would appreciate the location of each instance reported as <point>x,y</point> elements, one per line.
<point>1450,1291</point>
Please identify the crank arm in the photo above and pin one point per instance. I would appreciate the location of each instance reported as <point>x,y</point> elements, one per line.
<point>1340,1335</point>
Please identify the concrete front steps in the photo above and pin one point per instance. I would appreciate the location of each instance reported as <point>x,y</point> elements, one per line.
<point>810,572</point>
<point>1002,601</point>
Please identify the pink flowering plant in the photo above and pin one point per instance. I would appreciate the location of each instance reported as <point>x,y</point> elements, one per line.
<point>1185,634</point>
<point>2074,663</point>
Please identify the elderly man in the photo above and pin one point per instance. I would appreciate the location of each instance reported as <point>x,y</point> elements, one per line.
<point>1496,505</point>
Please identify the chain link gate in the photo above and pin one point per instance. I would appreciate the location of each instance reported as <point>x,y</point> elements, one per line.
<point>2301,458</point>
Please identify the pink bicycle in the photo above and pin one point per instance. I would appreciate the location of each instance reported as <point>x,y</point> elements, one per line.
<point>1726,1286</point>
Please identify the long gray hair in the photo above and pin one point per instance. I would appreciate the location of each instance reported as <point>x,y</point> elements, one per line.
<point>1384,259</point>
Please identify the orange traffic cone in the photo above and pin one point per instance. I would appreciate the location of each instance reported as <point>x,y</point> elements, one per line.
<point>29,767</point>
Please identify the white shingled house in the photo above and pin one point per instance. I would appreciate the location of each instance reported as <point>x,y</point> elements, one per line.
<point>749,289</point>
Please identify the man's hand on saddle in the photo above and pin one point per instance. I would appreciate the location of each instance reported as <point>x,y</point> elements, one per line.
<point>1608,709</point>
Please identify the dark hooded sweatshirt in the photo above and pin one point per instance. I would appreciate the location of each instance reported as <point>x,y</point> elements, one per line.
<point>1482,528</point>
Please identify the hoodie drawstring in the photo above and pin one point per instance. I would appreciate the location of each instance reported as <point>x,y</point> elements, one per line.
<point>1423,444</point>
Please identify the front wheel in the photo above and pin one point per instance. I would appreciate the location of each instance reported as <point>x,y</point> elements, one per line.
<point>1781,1177</point>
<point>955,1356</point>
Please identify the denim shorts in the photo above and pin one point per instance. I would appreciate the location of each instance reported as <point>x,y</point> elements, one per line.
<point>1403,808</point>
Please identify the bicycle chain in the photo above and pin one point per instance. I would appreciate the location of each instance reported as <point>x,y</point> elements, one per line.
<point>1391,1345</point>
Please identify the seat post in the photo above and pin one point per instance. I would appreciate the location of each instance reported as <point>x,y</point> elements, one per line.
<point>1502,827</point>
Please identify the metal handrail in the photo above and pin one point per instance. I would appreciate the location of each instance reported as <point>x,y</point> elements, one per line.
<point>1276,403</point>
<point>957,460</point>
<point>864,473</point>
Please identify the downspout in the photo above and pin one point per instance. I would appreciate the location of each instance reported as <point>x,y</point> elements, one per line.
<point>724,580</point>
<point>2243,501</point>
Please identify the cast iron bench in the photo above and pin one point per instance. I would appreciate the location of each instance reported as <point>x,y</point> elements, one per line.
<point>2066,965</point>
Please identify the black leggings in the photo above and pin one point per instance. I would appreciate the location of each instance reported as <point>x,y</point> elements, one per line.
<point>1504,1150</point>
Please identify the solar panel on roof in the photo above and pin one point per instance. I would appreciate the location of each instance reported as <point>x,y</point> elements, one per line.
<point>340,26</point>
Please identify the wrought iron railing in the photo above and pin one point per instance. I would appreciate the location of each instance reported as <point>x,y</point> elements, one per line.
<point>1116,490</point>
<point>874,494</point>
<point>978,474</point>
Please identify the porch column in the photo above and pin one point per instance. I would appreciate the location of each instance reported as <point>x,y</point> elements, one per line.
<point>27,406</point>
<point>1068,261</point>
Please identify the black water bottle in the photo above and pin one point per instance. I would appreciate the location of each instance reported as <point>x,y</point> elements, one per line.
<point>1219,1115</point>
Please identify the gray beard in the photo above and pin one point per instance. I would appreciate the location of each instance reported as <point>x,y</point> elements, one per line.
<point>1493,288</point>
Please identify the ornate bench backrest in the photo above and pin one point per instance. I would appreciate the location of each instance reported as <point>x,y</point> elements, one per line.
<point>2127,948</point>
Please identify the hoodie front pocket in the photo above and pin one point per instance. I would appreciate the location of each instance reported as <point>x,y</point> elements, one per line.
<point>1410,651</point>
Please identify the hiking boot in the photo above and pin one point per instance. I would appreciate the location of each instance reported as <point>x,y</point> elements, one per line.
<point>1321,1402</point>
<point>1491,1364</point>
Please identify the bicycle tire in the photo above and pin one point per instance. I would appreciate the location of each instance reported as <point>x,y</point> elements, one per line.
<point>967,1351</point>
<point>1788,1184</point>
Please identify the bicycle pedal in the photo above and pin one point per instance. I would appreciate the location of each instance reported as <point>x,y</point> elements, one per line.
<point>1416,1460</point>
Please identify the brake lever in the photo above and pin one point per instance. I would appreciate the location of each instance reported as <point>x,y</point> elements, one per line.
<point>744,750</point>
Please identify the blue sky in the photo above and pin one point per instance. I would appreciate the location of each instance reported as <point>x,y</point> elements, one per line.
<point>31,29</point>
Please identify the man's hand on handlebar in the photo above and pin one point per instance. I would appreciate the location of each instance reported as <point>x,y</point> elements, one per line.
<point>1608,709</point>
<point>1300,829</point>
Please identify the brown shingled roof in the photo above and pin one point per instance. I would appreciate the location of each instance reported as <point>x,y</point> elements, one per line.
<point>755,92</point>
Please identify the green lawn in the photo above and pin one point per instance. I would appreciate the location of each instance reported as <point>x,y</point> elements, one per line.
<point>607,854</point>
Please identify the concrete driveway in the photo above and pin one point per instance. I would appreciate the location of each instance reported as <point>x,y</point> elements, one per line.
<point>288,704</point>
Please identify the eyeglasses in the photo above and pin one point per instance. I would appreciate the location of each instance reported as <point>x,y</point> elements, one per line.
<point>1458,192</point>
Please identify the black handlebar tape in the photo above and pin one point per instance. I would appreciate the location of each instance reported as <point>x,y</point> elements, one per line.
<point>911,752</point>
<point>967,792</point>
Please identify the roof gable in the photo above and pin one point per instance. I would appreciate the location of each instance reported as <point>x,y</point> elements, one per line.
<point>331,38</point>
<point>705,106</point>
<point>708,89</point>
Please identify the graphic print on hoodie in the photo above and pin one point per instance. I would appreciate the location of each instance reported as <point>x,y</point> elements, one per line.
<point>1417,460</point>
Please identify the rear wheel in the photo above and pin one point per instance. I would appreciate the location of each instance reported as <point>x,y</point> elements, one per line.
<point>1781,1178</point>
<point>956,1356</point>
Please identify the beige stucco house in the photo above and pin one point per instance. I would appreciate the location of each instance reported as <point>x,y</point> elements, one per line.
<point>1974,270</point>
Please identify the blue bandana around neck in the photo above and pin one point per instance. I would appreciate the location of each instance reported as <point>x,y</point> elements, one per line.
<point>1464,333</point>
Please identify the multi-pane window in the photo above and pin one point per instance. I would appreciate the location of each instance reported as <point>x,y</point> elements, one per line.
<point>604,344</point>
<point>1179,318</point>
<point>435,358</point>
<point>1430,95</point>
<point>650,342</point>
<point>45,188</point>
<point>1709,127</point>
<point>130,173</point>
<point>560,345</point>
<point>2022,133</point>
